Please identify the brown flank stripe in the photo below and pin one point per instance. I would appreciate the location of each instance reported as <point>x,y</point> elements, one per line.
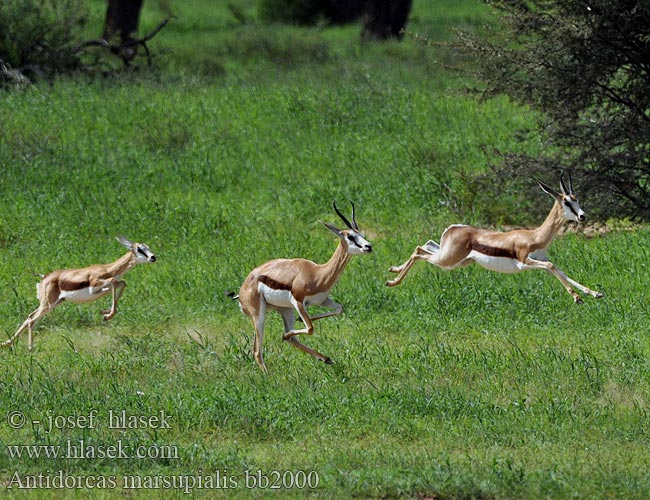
<point>493,251</point>
<point>71,286</point>
<point>271,283</point>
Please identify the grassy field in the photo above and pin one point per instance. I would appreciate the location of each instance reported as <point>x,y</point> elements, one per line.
<point>226,154</point>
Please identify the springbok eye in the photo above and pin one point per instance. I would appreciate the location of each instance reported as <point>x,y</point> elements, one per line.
<point>141,251</point>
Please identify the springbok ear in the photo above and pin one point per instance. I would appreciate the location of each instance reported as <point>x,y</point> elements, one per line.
<point>127,243</point>
<point>332,228</point>
<point>548,190</point>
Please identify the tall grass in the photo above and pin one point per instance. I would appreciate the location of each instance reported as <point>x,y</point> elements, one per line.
<point>454,385</point>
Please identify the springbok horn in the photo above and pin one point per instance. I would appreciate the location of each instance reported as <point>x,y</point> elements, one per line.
<point>354,220</point>
<point>343,217</point>
<point>570,184</point>
<point>564,189</point>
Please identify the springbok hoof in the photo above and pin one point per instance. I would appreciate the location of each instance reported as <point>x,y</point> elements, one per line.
<point>328,361</point>
<point>599,295</point>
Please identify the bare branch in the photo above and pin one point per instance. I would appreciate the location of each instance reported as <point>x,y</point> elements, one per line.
<point>125,50</point>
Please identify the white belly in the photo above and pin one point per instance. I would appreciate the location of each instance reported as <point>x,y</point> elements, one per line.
<point>283,298</point>
<point>83,295</point>
<point>277,298</point>
<point>498,264</point>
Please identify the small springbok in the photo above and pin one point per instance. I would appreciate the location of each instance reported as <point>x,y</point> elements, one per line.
<point>84,285</point>
<point>285,285</point>
<point>505,252</point>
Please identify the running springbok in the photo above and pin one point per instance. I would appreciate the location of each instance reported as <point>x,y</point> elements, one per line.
<point>84,285</point>
<point>505,252</point>
<point>285,285</point>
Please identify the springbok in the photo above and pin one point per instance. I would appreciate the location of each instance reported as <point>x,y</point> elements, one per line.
<point>285,285</point>
<point>505,252</point>
<point>84,285</point>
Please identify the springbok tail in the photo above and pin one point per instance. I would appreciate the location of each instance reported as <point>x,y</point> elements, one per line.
<point>232,295</point>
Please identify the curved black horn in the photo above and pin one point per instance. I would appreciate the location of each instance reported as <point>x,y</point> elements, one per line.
<point>562,185</point>
<point>354,220</point>
<point>570,184</point>
<point>343,217</point>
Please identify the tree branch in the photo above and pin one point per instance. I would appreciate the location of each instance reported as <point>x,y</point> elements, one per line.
<point>124,50</point>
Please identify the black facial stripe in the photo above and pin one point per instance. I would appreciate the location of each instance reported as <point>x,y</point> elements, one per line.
<point>570,205</point>
<point>142,252</point>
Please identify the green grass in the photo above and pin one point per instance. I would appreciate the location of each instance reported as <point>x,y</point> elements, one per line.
<point>226,154</point>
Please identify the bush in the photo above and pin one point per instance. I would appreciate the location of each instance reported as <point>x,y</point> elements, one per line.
<point>584,65</point>
<point>36,36</point>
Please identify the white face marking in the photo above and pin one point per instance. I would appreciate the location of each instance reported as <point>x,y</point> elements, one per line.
<point>143,254</point>
<point>571,209</point>
<point>498,264</point>
<point>357,244</point>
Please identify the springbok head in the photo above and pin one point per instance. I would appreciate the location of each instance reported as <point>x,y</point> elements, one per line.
<point>351,238</point>
<point>566,198</point>
<point>141,251</point>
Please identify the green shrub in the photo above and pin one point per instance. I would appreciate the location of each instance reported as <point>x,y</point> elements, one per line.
<point>36,35</point>
<point>584,66</point>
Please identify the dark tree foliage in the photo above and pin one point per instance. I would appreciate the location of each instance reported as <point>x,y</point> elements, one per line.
<point>344,11</point>
<point>585,64</point>
<point>386,19</point>
<point>382,19</point>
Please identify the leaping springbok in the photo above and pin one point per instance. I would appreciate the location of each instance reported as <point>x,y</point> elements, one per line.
<point>84,285</point>
<point>285,285</point>
<point>505,252</point>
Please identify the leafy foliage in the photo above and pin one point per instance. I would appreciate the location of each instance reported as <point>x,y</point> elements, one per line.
<point>36,35</point>
<point>586,66</point>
